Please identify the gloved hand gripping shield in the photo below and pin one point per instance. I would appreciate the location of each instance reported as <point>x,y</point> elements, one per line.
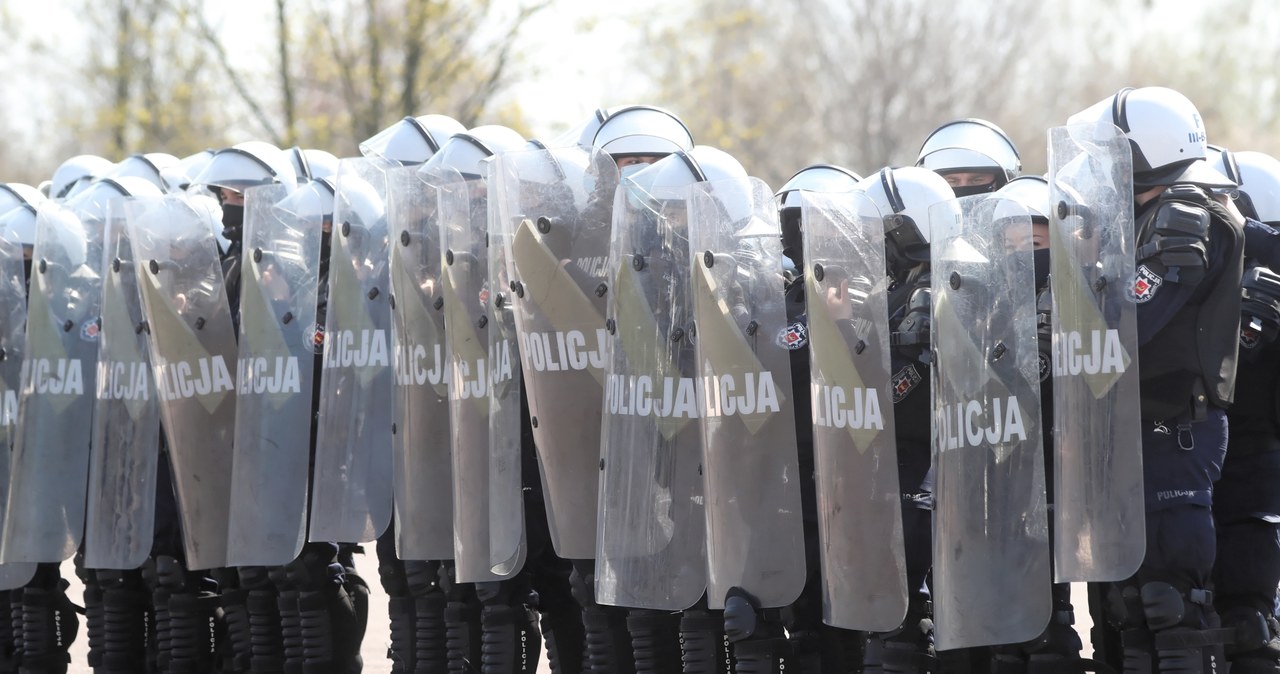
<point>990,533</point>
<point>854,447</point>
<point>1099,524</point>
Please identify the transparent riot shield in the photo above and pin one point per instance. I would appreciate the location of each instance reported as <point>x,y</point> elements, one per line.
<point>506,441</point>
<point>120,525</point>
<point>13,338</point>
<point>864,576</point>
<point>423,476</point>
<point>555,238</point>
<point>651,538</point>
<point>1099,525</point>
<point>351,488</point>
<point>274,375</point>
<point>50,462</point>
<point>193,350</point>
<point>755,537</point>
<point>482,372</point>
<point>990,530</point>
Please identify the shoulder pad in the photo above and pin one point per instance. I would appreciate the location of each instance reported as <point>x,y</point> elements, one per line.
<point>1186,192</point>
<point>1175,243</point>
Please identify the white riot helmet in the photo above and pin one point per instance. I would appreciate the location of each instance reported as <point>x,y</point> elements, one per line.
<point>971,146</point>
<point>1031,193</point>
<point>642,130</point>
<point>18,225</point>
<point>75,172</point>
<point>150,167</point>
<point>13,195</point>
<point>178,177</point>
<point>1165,133</point>
<point>585,131</point>
<point>246,165</point>
<point>412,140</point>
<point>309,164</point>
<point>91,203</point>
<point>905,196</point>
<point>662,188</point>
<point>465,152</point>
<point>1258,175</point>
<point>311,203</point>
<point>826,178</point>
<point>18,206</point>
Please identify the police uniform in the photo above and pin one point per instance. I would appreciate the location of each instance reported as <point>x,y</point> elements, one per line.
<point>1187,288</point>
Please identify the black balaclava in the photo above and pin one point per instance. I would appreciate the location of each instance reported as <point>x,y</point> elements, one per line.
<point>232,221</point>
<point>1041,258</point>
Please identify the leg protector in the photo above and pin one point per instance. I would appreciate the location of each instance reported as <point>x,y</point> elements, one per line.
<point>509,641</point>
<point>564,636</point>
<point>1167,630</point>
<point>400,613</point>
<point>427,636</point>
<point>125,622</point>
<point>49,623</point>
<point>430,634</point>
<point>290,630</point>
<point>193,643</point>
<point>656,641</point>
<point>705,646</point>
<point>238,645</point>
<point>1257,641</point>
<point>607,639</point>
<point>462,623</point>
<point>266,637</point>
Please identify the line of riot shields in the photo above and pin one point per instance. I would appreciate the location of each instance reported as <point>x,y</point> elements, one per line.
<point>641,339</point>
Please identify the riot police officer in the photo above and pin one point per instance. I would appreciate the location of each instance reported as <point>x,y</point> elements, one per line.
<point>1187,287</point>
<point>910,193</point>
<point>1246,511</point>
<point>973,155</point>
<point>815,647</point>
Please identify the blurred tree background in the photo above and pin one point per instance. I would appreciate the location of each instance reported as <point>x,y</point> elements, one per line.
<point>778,83</point>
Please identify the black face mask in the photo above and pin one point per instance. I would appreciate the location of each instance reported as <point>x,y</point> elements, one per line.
<point>792,243</point>
<point>232,221</point>
<point>1041,258</point>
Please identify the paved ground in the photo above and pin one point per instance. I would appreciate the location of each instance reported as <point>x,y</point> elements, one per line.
<point>378,636</point>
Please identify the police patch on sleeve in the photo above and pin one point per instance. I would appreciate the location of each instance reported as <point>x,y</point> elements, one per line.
<point>317,337</point>
<point>1249,337</point>
<point>1145,284</point>
<point>794,336</point>
<point>1046,367</point>
<point>90,329</point>
<point>904,381</point>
